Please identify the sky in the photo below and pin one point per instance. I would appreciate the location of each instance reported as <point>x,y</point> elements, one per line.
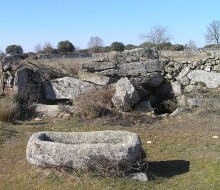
<point>30,22</point>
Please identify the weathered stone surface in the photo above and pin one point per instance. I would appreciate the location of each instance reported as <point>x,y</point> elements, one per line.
<point>47,110</point>
<point>212,80</point>
<point>144,107</point>
<point>136,68</point>
<point>184,81</point>
<point>217,68</point>
<point>183,73</point>
<point>21,80</point>
<point>151,79</point>
<point>191,88</point>
<point>76,150</point>
<point>98,66</point>
<point>176,87</point>
<point>194,102</point>
<point>94,78</point>
<point>135,55</point>
<point>66,88</point>
<point>125,95</point>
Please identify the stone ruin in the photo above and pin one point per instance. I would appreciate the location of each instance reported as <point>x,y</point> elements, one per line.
<point>141,80</point>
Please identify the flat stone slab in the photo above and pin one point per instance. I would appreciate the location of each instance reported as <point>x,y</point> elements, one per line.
<point>77,149</point>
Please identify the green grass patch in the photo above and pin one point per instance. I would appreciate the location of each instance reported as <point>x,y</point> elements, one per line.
<point>182,155</point>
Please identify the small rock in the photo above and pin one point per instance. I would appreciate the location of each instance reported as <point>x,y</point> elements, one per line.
<point>215,137</point>
<point>38,119</point>
<point>139,176</point>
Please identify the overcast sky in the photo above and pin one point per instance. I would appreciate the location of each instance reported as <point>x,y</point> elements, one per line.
<point>29,22</point>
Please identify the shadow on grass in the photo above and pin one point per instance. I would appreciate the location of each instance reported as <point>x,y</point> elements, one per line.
<point>169,168</point>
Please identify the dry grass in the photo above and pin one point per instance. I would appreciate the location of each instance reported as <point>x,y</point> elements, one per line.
<point>64,67</point>
<point>181,152</point>
<point>93,104</point>
<point>8,110</point>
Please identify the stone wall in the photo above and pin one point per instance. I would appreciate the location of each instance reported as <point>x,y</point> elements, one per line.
<point>140,79</point>
<point>191,52</point>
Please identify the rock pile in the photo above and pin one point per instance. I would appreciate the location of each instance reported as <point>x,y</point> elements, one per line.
<point>141,81</point>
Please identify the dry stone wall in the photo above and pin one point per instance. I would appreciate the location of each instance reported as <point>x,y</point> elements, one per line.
<point>138,77</point>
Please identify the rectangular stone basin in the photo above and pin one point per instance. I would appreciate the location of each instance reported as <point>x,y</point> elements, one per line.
<point>76,149</point>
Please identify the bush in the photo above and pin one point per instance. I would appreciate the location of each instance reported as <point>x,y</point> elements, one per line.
<point>93,104</point>
<point>177,47</point>
<point>25,100</point>
<point>147,45</point>
<point>104,167</point>
<point>130,47</point>
<point>214,46</point>
<point>8,110</point>
<point>14,49</point>
<point>117,46</point>
<point>65,47</point>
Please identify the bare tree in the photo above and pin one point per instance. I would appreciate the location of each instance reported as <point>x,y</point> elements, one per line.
<point>157,35</point>
<point>191,44</point>
<point>95,44</point>
<point>38,48</point>
<point>48,48</point>
<point>213,32</point>
<point>48,45</point>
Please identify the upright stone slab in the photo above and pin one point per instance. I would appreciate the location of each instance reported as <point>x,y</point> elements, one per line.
<point>21,80</point>
<point>125,95</point>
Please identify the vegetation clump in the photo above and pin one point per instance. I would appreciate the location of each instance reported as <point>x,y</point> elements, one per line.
<point>117,46</point>
<point>65,47</point>
<point>14,49</point>
<point>93,104</point>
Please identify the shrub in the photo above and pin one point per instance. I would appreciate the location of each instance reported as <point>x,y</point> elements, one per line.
<point>8,110</point>
<point>105,167</point>
<point>117,46</point>
<point>14,49</point>
<point>130,47</point>
<point>65,46</point>
<point>25,102</point>
<point>210,46</point>
<point>177,47</point>
<point>93,104</point>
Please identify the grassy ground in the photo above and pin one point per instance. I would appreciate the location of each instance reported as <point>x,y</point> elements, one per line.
<point>182,155</point>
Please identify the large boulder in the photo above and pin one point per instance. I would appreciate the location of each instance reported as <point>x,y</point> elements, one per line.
<point>125,95</point>
<point>136,68</point>
<point>211,80</point>
<point>66,88</point>
<point>79,150</point>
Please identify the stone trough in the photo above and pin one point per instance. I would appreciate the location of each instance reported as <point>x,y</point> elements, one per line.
<point>77,149</point>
